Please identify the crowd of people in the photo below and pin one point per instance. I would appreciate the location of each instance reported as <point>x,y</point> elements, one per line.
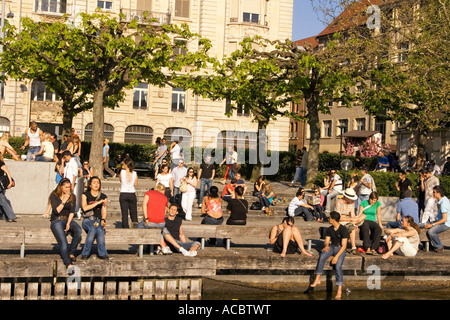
<point>349,208</point>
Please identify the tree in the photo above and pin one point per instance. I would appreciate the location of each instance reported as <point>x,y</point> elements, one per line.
<point>264,76</point>
<point>108,55</point>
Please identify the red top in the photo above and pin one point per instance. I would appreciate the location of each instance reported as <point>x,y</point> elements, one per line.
<point>156,206</point>
<point>228,189</point>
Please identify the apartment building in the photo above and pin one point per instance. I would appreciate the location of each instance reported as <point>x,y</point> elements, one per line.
<point>149,112</point>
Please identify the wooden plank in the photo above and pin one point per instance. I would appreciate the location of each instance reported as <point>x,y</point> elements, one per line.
<point>160,289</point>
<point>85,291</point>
<point>110,290</point>
<point>147,290</point>
<point>46,291</point>
<point>135,290</point>
<point>200,230</point>
<point>19,291</point>
<point>196,289</point>
<point>32,291</point>
<point>98,291</point>
<point>59,293</point>
<point>183,289</point>
<point>72,290</point>
<point>123,291</point>
<point>5,290</point>
<point>171,290</point>
<point>11,235</point>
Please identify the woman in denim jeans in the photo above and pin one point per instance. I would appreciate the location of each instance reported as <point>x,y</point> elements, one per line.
<point>93,203</point>
<point>62,202</point>
<point>335,244</point>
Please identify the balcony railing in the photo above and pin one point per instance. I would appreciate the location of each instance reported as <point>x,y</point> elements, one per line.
<point>159,17</point>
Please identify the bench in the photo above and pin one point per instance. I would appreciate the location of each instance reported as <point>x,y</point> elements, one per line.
<point>144,167</point>
<point>227,232</point>
<point>44,236</point>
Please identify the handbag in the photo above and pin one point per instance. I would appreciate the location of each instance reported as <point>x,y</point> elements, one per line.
<point>183,186</point>
<point>4,182</point>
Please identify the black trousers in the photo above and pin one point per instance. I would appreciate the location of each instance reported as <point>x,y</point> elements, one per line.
<point>370,233</point>
<point>128,204</point>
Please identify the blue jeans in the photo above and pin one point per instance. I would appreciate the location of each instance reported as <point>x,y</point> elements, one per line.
<point>303,172</point>
<point>432,234</point>
<point>297,174</point>
<point>32,150</point>
<point>93,232</point>
<point>338,266</point>
<point>57,227</point>
<point>361,198</point>
<point>6,206</point>
<point>204,183</point>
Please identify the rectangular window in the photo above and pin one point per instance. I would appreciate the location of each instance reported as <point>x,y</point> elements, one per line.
<point>182,8</point>
<point>403,49</point>
<point>360,124</point>
<point>140,96</point>
<point>342,125</point>
<point>250,17</point>
<point>178,99</point>
<point>326,128</point>
<point>39,92</point>
<point>105,5</point>
<point>242,110</point>
<point>180,47</point>
<point>54,6</point>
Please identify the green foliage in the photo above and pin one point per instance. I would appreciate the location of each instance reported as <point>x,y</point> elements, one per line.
<point>138,152</point>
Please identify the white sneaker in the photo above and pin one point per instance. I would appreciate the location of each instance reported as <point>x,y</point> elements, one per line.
<point>188,253</point>
<point>166,250</point>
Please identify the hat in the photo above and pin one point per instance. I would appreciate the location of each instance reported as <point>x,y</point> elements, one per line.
<point>350,194</point>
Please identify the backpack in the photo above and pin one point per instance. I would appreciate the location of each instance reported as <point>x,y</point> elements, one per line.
<point>256,206</point>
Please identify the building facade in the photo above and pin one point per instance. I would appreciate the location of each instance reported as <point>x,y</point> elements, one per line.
<point>149,112</point>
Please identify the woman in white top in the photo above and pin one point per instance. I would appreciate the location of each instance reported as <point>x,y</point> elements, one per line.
<point>403,241</point>
<point>166,179</point>
<point>188,197</point>
<point>127,199</point>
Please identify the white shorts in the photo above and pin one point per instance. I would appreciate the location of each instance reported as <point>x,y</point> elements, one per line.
<point>407,249</point>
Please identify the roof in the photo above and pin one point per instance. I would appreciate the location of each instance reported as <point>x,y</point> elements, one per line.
<point>311,40</point>
<point>360,133</point>
<point>354,15</point>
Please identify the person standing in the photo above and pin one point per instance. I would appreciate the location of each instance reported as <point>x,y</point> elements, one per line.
<point>188,197</point>
<point>33,139</point>
<point>230,159</point>
<point>206,175</point>
<point>179,172</point>
<point>106,158</point>
<point>443,223</point>
<point>298,163</point>
<point>335,243</point>
<point>127,199</point>
<point>62,201</point>
<point>175,154</point>
<point>427,186</point>
<point>94,205</point>
<point>403,184</point>
<point>304,167</point>
<point>160,153</point>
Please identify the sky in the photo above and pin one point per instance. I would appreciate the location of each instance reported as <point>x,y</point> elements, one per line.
<point>305,23</point>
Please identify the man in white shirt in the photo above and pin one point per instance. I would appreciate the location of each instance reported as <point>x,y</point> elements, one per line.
<point>366,186</point>
<point>178,172</point>
<point>175,154</point>
<point>299,207</point>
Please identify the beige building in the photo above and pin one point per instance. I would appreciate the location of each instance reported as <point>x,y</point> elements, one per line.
<point>149,112</point>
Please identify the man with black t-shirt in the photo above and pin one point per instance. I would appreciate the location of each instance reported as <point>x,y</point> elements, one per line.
<point>206,175</point>
<point>335,244</point>
<point>173,234</point>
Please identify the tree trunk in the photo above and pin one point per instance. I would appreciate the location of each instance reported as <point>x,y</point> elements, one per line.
<point>67,121</point>
<point>96,152</point>
<point>314,142</point>
<point>261,142</point>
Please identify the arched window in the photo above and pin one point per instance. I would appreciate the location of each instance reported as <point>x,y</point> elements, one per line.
<point>182,135</point>
<point>240,139</point>
<point>108,132</point>
<point>138,134</point>
<point>5,124</point>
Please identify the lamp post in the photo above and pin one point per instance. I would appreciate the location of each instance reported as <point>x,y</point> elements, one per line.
<point>342,127</point>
